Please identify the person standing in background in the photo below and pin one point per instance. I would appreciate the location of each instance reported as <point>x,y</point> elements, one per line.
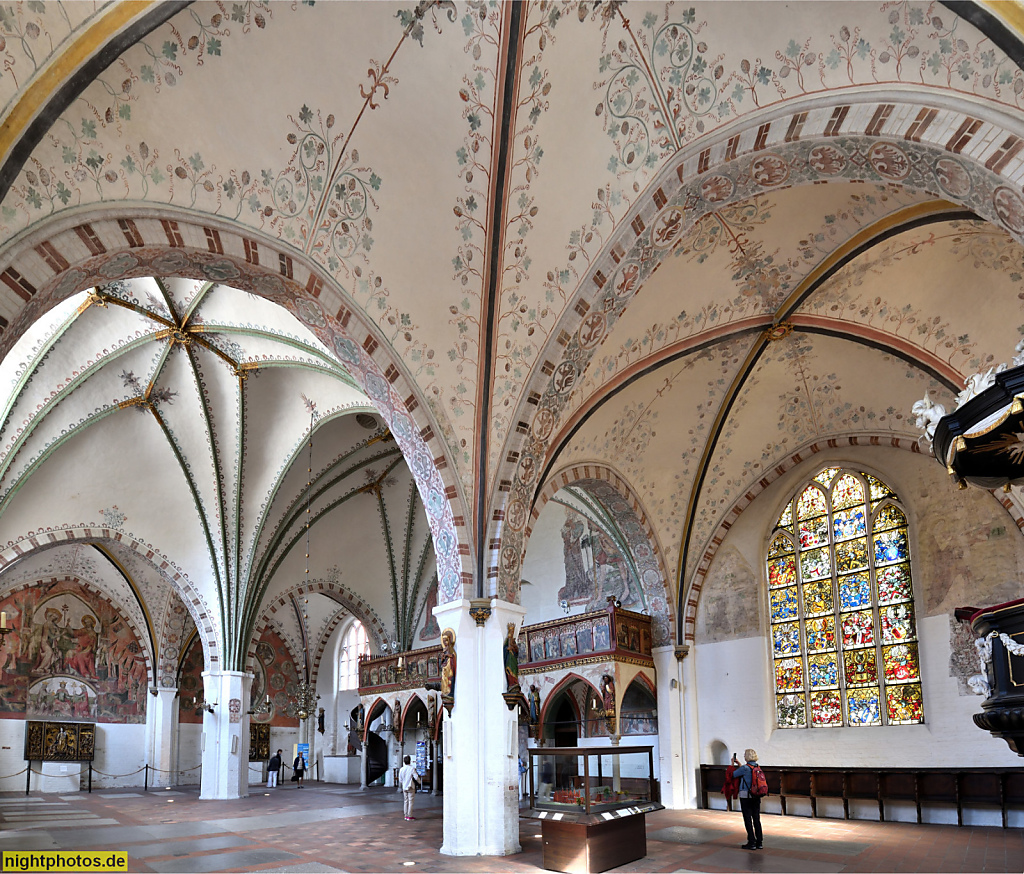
<point>749,803</point>
<point>273,769</point>
<point>409,781</point>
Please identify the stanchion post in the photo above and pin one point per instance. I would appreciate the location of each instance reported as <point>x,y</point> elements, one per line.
<point>90,777</point>
<point>28,777</point>
<point>145,785</point>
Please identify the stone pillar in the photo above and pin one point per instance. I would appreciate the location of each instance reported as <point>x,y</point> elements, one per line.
<point>691,734</point>
<point>435,752</point>
<point>161,735</point>
<point>672,760</point>
<point>481,737</point>
<point>225,735</point>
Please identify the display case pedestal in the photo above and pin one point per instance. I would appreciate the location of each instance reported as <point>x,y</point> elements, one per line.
<point>582,847</point>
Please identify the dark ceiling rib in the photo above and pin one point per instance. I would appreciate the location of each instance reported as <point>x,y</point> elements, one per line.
<point>62,98</point>
<point>494,274</point>
<point>116,565</point>
<point>792,305</point>
<point>750,364</point>
<point>1004,38</point>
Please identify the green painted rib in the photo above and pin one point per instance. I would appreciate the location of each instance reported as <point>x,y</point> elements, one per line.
<point>199,510</point>
<point>53,447</point>
<point>62,395</point>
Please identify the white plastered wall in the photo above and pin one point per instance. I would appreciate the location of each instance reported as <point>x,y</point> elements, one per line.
<point>965,549</point>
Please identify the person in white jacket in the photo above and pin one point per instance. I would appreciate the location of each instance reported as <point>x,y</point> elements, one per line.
<point>409,781</point>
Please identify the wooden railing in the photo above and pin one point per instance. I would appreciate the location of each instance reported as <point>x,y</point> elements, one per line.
<point>383,674</point>
<point>1002,788</point>
<point>609,634</point>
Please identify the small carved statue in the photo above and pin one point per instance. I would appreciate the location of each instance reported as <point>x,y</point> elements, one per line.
<point>448,666</point>
<point>511,655</point>
<point>927,415</point>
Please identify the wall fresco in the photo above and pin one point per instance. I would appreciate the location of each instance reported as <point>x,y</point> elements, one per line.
<point>71,656</point>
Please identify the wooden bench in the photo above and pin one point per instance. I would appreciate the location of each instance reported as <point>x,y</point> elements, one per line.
<point>999,788</point>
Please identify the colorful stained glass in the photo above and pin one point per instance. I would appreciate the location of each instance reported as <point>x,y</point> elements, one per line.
<point>781,545</point>
<point>815,563</point>
<point>786,519</point>
<point>897,623</point>
<point>791,711</point>
<point>826,709</point>
<point>891,546</point>
<point>818,597</point>
<point>848,523</point>
<point>827,475</point>
<point>889,517</point>
<point>789,676</point>
<point>852,555</point>
<point>877,490</point>
<point>823,671</point>
<point>900,663</point>
<point>786,639</point>
<point>782,571</point>
<point>894,583</point>
<point>784,604</point>
<point>830,520</point>
<point>863,706</point>
<point>847,492</point>
<point>821,633</point>
<point>859,667</point>
<point>903,704</point>
<point>854,592</point>
<point>813,532</point>
<point>811,503</point>
<point>858,629</point>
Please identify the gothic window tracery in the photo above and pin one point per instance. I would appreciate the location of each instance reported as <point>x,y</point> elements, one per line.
<point>353,646</point>
<point>840,597</point>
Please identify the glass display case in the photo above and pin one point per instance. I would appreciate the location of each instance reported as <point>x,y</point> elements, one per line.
<point>591,803</point>
<point>591,780</point>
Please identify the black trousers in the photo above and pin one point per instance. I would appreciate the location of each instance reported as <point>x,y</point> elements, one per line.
<point>751,808</point>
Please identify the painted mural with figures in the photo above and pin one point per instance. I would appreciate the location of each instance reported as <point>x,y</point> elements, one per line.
<point>274,674</point>
<point>71,656</point>
<point>594,567</point>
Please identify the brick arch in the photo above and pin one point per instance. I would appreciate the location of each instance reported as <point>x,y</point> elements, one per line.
<point>560,687</point>
<point>696,583</point>
<point>372,712</point>
<point>171,639</point>
<point>604,482</point>
<point>884,137</point>
<point>644,681</point>
<point>344,596</point>
<point>141,635</point>
<point>68,254</point>
<point>405,712</point>
<point>191,597</point>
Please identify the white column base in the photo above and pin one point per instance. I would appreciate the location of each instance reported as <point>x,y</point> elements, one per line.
<point>672,752</point>
<point>161,710</point>
<point>225,736</point>
<point>481,738</point>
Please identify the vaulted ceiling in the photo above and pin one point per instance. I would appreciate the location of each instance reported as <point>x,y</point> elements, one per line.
<point>531,235</point>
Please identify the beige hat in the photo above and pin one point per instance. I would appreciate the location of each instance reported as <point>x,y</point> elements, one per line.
<point>750,756</point>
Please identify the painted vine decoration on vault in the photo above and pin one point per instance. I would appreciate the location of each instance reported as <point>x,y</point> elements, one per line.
<point>913,165</point>
<point>843,633</point>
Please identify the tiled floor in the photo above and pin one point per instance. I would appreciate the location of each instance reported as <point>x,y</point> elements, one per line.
<point>326,828</point>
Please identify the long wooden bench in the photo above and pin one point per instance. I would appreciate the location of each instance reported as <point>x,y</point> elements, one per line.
<point>1001,788</point>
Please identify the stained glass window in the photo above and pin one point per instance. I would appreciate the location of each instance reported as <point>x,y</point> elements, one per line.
<point>844,633</point>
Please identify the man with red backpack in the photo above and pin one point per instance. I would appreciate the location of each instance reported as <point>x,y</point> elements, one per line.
<point>753,787</point>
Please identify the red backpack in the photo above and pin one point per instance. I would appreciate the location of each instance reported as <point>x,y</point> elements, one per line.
<point>758,782</point>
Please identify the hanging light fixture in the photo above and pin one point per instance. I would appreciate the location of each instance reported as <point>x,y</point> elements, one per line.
<point>303,704</point>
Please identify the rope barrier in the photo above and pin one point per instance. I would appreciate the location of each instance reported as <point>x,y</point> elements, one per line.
<point>16,774</point>
<point>117,776</point>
